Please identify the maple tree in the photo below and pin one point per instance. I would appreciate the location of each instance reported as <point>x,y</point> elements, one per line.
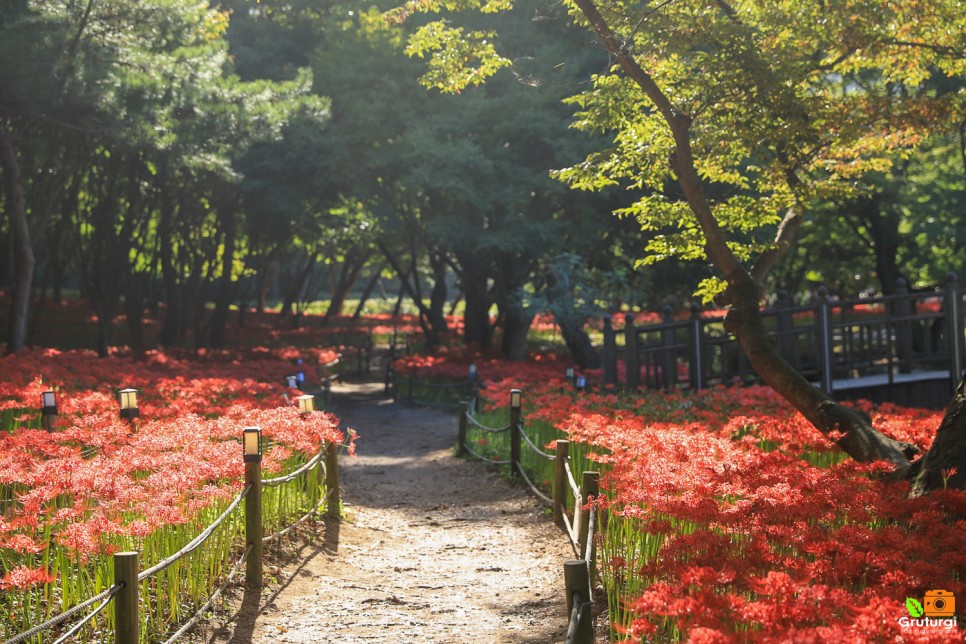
<point>732,117</point>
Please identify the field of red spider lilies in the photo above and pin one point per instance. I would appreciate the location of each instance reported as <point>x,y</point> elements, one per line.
<point>98,484</point>
<point>730,519</point>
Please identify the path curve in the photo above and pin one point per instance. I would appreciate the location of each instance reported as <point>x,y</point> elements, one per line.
<point>434,549</point>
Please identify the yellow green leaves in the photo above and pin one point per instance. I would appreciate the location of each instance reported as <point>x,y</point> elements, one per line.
<point>456,58</point>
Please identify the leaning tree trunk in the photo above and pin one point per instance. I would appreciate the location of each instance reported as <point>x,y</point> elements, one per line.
<point>851,430</point>
<point>945,462</point>
<point>23,269</point>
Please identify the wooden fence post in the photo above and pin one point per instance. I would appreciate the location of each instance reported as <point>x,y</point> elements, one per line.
<point>669,361</point>
<point>560,485</point>
<point>127,622</point>
<point>823,336</point>
<point>696,338</point>
<point>589,487</point>
<point>786,328</point>
<point>333,506</point>
<point>632,358</point>
<point>464,422</point>
<point>577,582</point>
<point>954,328</point>
<point>516,402</point>
<point>903,309</point>
<point>253,523</point>
<point>609,352</point>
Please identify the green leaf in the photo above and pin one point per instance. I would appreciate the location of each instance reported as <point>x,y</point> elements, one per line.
<point>914,607</point>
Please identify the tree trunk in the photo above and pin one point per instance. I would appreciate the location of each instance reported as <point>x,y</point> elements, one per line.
<point>860,440</point>
<point>23,268</point>
<point>476,312</point>
<point>367,292</point>
<point>948,452</point>
<point>516,326</point>
<point>226,286</point>
<point>348,277</point>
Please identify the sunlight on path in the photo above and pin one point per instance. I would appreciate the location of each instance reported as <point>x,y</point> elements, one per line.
<point>434,549</point>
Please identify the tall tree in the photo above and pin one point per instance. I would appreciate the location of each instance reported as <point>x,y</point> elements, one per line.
<point>752,110</point>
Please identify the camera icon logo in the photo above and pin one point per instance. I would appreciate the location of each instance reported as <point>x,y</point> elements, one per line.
<point>939,603</point>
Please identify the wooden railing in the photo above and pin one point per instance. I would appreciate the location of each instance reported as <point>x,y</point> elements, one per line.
<point>127,578</point>
<point>836,344</point>
<point>580,575</point>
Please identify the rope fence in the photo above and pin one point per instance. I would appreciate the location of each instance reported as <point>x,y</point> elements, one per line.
<point>124,592</point>
<point>580,528</point>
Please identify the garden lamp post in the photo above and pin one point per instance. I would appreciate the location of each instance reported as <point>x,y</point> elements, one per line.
<point>570,376</point>
<point>48,410</point>
<point>129,404</point>
<point>306,403</point>
<point>252,446</point>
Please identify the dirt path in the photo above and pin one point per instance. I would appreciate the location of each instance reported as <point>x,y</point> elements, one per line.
<point>433,550</point>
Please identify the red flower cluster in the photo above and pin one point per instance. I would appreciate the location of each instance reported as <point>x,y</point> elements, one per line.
<point>97,476</point>
<point>731,518</point>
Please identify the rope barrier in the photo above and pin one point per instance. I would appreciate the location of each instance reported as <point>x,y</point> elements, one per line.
<point>492,430</point>
<point>570,477</point>
<point>575,615</point>
<point>113,590</point>
<point>540,452</point>
<point>63,617</point>
<point>197,541</point>
<point>106,596</point>
<point>483,458</point>
<point>439,385</point>
<point>591,530</point>
<point>533,487</point>
<point>294,475</point>
<point>304,517</point>
<point>211,600</point>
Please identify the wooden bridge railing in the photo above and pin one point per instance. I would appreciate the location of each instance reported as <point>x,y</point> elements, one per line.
<point>837,344</point>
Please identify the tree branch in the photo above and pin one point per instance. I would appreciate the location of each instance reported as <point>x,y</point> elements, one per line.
<point>784,238</point>
<point>682,161</point>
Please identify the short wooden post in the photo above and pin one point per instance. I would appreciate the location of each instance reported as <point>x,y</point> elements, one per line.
<point>560,484</point>
<point>334,505</point>
<point>609,352</point>
<point>954,329</point>
<point>632,358</point>
<point>589,487</point>
<point>577,586</point>
<point>253,523</point>
<point>127,622</point>
<point>464,426</point>
<point>516,402</point>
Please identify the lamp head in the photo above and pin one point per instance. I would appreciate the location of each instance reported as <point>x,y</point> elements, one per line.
<point>306,403</point>
<point>253,444</point>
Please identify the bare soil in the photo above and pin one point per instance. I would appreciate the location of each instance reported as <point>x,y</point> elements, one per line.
<point>433,549</point>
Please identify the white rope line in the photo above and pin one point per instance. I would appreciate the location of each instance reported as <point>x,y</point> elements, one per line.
<point>197,541</point>
<point>534,487</point>
<point>539,452</point>
<point>211,601</point>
